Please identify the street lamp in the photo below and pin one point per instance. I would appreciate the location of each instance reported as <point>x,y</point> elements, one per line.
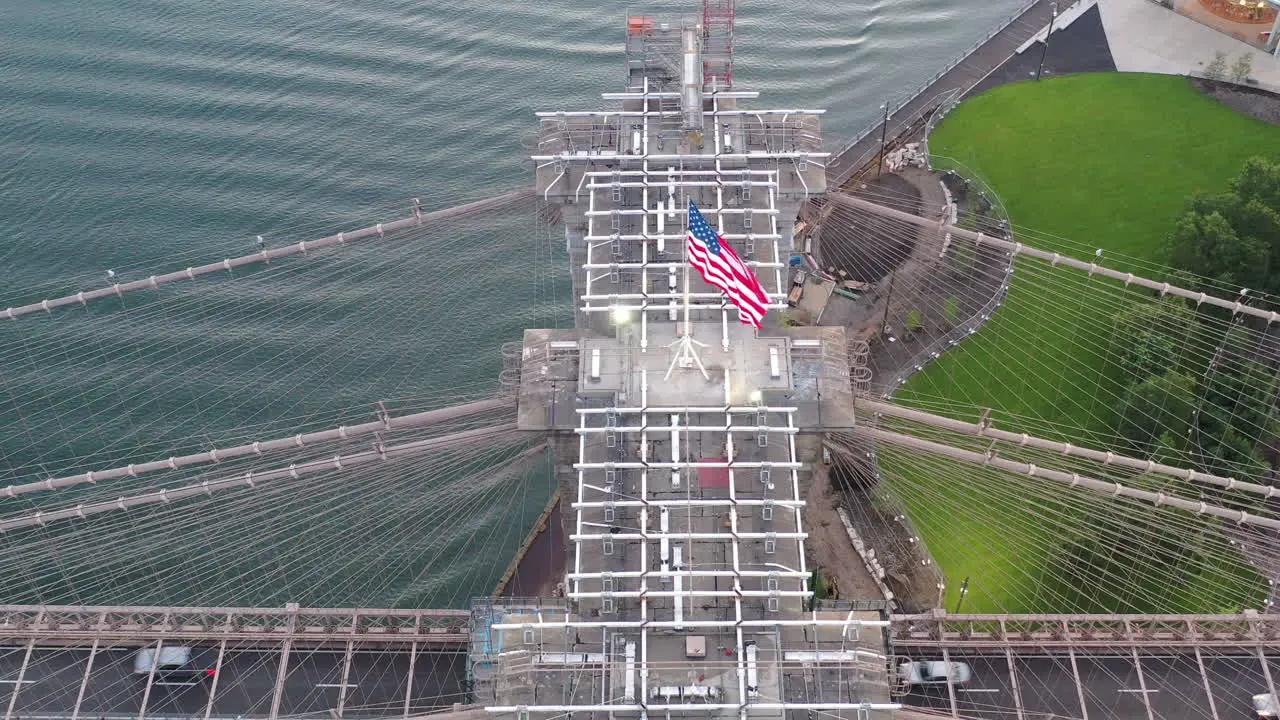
<point>884,129</point>
<point>964,590</point>
<point>1045,50</point>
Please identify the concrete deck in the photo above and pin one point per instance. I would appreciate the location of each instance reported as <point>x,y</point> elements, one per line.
<point>1145,37</point>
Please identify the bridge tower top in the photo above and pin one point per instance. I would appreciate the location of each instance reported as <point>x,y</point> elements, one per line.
<point>687,589</point>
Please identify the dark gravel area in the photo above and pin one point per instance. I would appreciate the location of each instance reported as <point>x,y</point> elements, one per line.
<point>1257,102</point>
<point>1080,47</point>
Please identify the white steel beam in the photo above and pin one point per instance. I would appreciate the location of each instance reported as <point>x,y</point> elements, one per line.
<point>346,672</point>
<point>670,113</point>
<point>812,622</point>
<point>1017,248</point>
<point>625,574</point>
<point>408,686</point>
<point>656,95</point>
<point>22,674</point>
<point>693,429</point>
<point>692,593</point>
<point>653,212</point>
<point>592,237</point>
<point>669,157</point>
<point>580,537</point>
<point>615,297</point>
<point>646,307</point>
<point>217,675</point>
<point>151,677</point>
<point>721,502</point>
<point>740,464</point>
<point>277,692</point>
<point>666,265</point>
<point>678,172</point>
<point>691,707</point>
<point>84,680</point>
<point>683,183</point>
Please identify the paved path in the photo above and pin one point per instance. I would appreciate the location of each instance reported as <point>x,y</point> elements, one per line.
<point>1145,37</point>
<point>989,56</point>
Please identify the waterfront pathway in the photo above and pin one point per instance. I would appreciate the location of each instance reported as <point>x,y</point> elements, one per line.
<point>959,79</point>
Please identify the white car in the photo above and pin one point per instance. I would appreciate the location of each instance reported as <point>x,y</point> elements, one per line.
<point>1265,705</point>
<point>934,672</point>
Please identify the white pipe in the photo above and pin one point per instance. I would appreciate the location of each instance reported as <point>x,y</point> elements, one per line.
<point>682,183</point>
<point>671,157</point>
<point>725,94</point>
<point>678,465</point>
<point>691,573</point>
<point>694,503</point>
<point>662,296</point>
<point>666,266</point>
<point>671,113</point>
<point>692,428</point>
<point>708,211</point>
<point>1105,457</point>
<point>1018,248</point>
<point>687,536</point>
<point>386,424</point>
<point>690,707</point>
<point>673,171</point>
<point>724,305</point>
<point>299,248</point>
<point>1112,489</point>
<point>679,238</point>
<point>812,622</point>
<point>742,409</point>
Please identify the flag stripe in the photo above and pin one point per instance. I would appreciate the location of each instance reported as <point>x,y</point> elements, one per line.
<point>720,266</point>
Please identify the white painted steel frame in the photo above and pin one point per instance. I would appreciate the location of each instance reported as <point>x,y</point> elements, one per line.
<point>655,210</point>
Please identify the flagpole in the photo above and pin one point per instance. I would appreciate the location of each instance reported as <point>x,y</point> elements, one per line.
<point>688,326</point>
<point>686,354</point>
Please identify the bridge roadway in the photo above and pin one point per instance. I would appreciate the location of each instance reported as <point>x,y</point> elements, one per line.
<point>71,662</point>
<point>78,662</point>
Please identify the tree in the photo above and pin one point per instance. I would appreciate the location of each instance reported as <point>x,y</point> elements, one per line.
<point>1149,336</point>
<point>1158,405</point>
<point>1259,180</point>
<point>1208,245</point>
<point>1242,67</point>
<point>1243,257</point>
<point>1217,69</point>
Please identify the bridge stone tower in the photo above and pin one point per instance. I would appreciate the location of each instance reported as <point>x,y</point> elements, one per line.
<point>682,436</point>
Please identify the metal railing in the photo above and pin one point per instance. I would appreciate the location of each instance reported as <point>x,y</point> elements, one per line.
<point>267,625</point>
<point>968,327</point>
<point>1249,630</point>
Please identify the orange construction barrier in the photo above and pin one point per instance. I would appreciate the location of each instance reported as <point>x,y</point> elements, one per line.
<point>637,24</point>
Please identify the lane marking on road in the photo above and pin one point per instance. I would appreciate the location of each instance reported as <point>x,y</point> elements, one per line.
<point>337,685</point>
<point>1137,691</point>
<point>972,690</point>
<point>15,682</point>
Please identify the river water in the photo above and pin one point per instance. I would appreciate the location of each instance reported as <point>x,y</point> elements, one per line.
<point>147,136</point>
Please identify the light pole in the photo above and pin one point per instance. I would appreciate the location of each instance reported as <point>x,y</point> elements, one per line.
<point>884,129</point>
<point>1045,50</point>
<point>884,322</point>
<point>964,590</point>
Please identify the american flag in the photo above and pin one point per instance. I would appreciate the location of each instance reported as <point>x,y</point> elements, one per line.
<point>722,267</point>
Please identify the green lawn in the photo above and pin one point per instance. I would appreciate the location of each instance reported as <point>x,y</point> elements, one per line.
<point>1105,160</point>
